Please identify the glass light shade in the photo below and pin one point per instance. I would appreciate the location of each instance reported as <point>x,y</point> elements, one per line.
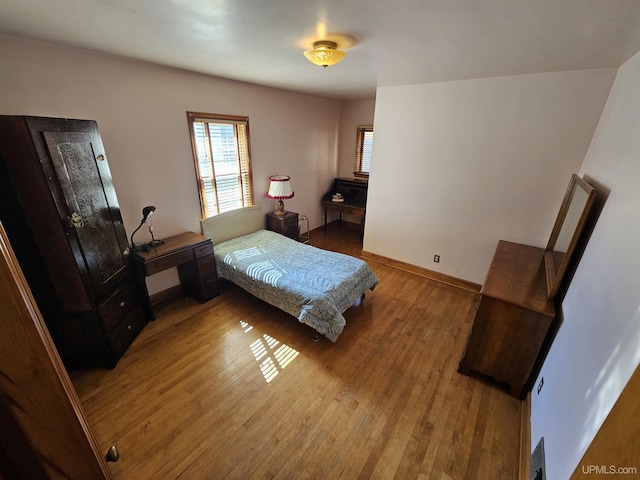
<point>324,53</point>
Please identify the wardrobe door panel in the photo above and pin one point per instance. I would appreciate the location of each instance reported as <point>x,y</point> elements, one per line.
<point>86,209</point>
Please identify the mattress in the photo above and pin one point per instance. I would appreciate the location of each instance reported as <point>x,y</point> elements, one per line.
<point>316,286</point>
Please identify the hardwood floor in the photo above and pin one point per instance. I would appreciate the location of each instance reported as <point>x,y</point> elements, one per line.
<point>237,389</point>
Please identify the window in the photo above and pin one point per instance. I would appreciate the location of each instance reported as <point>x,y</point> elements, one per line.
<point>223,161</point>
<point>364,144</point>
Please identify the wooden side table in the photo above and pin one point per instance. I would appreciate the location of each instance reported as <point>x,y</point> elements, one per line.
<point>285,224</point>
<point>192,253</point>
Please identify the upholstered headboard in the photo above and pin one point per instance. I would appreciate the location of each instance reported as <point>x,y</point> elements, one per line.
<point>232,224</point>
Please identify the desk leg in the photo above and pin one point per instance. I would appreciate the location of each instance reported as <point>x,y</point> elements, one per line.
<point>325,221</point>
<point>141,280</point>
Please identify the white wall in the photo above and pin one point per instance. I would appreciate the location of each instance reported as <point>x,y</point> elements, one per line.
<point>141,112</point>
<point>598,345</point>
<point>459,165</point>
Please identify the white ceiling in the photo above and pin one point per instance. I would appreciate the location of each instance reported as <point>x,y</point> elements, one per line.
<point>388,42</point>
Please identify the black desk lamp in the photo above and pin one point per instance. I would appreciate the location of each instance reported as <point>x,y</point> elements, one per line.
<point>146,214</point>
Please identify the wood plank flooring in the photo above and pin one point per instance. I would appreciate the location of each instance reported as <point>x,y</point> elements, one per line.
<point>236,389</point>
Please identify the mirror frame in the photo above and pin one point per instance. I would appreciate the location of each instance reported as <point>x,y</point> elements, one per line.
<point>554,278</point>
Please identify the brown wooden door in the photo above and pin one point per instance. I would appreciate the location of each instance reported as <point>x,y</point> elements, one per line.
<point>88,208</point>
<point>44,432</point>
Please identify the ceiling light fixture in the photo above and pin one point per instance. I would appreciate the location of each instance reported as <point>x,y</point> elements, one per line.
<point>325,53</point>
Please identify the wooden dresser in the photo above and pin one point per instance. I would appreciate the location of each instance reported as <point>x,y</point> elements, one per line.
<point>512,319</point>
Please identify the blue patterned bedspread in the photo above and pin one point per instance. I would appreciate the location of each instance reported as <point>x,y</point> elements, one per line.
<point>315,286</point>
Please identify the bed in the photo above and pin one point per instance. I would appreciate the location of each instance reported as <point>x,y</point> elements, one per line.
<point>316,286</point>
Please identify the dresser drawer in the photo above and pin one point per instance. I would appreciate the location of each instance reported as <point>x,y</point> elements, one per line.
<point>167,261</point>
<point>204,249</point>
<point>207,289</point>
<point>119,305</point>
<point>206,266</point>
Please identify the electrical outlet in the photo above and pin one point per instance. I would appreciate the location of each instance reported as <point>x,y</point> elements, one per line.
<point>436,258</point>
<point>540,385</point>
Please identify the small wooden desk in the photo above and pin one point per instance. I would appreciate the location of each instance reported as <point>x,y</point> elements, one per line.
<point>341,208</point>
<point>192,253</point>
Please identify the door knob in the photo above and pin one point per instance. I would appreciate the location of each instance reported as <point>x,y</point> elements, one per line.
<point>112,454</point>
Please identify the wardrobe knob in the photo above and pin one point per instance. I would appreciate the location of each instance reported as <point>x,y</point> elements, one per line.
<point>75,221</point>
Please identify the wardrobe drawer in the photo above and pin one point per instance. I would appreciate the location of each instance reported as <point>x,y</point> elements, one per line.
<point>126,331</point>
<point>118,306</point>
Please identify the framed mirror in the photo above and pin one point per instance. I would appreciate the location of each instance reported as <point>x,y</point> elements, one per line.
<point>573,214</point>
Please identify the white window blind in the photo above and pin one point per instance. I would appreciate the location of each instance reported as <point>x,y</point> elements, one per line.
<point>223,161</point>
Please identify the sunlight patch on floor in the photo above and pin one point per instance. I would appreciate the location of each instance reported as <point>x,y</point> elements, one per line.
<point>273,355</point>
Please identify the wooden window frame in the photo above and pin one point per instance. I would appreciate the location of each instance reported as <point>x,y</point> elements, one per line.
<point>208,208</point>
<point>361,131</point>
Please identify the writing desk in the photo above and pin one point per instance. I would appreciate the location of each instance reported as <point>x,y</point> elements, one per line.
<point>347,209</point>
<point>192,254</point>
<point>354,200</point>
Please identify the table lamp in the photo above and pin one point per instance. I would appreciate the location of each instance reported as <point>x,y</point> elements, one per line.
<point>279,189</point>
<point>146,214</point>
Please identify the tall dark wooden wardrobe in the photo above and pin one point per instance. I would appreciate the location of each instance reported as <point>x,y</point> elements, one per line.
<point>61,213</point>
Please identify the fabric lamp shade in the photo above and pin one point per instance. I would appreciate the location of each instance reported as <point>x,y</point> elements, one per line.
<point>279,189</point>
